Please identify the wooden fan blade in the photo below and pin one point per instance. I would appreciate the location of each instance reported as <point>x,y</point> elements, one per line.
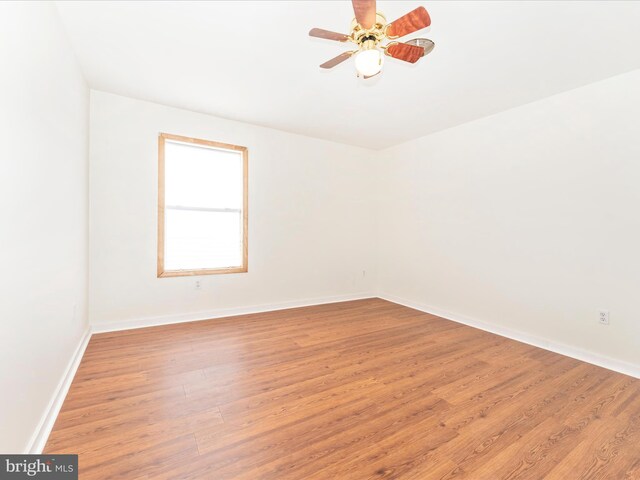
<point>336,60</point>
<point>320,33</point>
<point>402,51</point>
<point>426,44</point>
<point>409,23</point>
<point>365,11</point>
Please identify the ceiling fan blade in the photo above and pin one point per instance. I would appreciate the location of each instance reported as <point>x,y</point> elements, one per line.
<point>336,60</point>
<point>320,33</point>
<point>402,51</point>
<point>424,43</point>
<point>409,23</point>
<point>365,11</point>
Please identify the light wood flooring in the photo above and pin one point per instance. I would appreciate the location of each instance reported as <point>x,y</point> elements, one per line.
<point>357,390</point>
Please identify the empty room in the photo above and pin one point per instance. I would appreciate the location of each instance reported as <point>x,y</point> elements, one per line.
<point>320,240</point>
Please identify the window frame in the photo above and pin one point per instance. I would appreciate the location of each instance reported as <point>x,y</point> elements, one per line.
<point>161,272</point>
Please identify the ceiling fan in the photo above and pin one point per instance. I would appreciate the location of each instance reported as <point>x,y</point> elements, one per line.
<point>369,29</point>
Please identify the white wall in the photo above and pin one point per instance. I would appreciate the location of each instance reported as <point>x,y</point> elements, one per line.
<point>43,206</point>
<point>311,218</point>
<point>528,220</point>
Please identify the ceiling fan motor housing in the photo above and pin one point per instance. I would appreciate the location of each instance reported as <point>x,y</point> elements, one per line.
<point>376,32</point>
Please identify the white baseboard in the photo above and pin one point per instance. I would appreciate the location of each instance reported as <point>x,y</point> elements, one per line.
<point>41,434</point>
<point>544,343</point>
<point>42,431</point>
<point>222,312</point>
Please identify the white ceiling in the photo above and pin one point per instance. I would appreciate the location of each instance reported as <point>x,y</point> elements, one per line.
<point>253,61</point>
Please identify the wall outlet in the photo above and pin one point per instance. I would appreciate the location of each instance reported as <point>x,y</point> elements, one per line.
<point>198,285</point>
<point>603,317</point>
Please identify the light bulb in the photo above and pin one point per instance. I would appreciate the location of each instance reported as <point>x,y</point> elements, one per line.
<point>369,62</point>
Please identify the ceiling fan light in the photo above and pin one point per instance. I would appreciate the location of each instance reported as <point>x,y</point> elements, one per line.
<point>369,62</point>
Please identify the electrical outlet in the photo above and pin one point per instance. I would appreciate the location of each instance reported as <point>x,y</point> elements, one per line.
<point>603,317</point>
<point>198,285</point>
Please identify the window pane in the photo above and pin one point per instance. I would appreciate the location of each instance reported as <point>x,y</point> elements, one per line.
<point>201,239</point>
<point>197,176</point>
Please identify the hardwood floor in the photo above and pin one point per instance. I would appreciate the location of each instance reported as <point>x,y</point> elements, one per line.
<point>354,390</point>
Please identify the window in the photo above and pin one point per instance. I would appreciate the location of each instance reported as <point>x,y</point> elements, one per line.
<point>202,207</point>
